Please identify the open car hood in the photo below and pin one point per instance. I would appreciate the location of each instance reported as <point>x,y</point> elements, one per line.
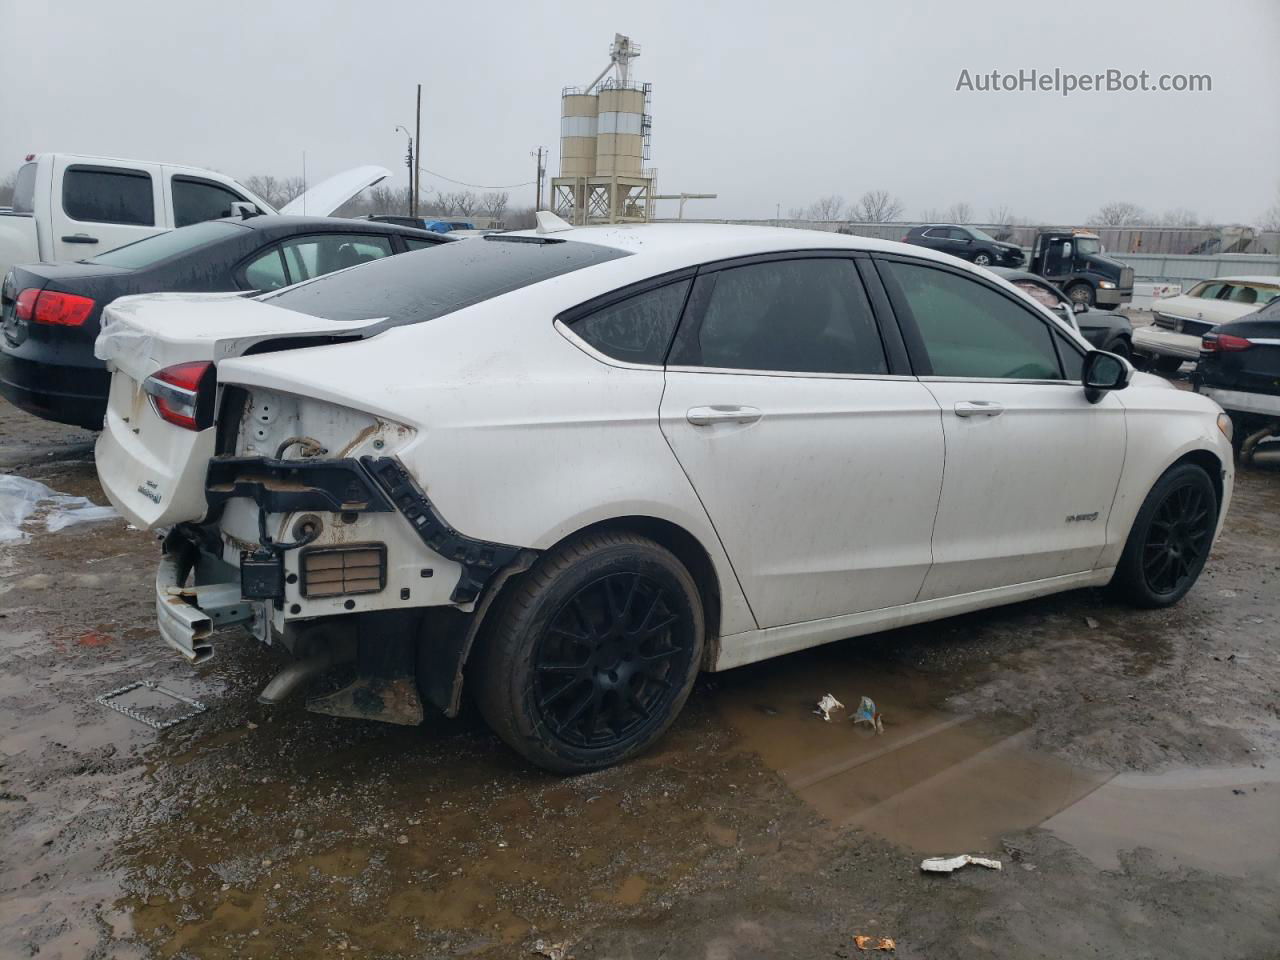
<point>328,195</point>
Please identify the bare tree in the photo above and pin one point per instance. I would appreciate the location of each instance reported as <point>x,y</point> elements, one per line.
<point>1270,219</point>
<point>959,213</point>
<point>494,204</point>
<point>1001,216</point>
<point>521,218</point>
<point>795,213</point>
<point>1179,217</point>
<point>462,203</point>
<point>876,206</point>
<point>930,215</point>
<point>1121,213</point>
<point>830,207</point>
<point>276,191</point>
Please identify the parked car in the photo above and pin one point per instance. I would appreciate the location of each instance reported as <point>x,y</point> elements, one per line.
<point>1181,322</point>
<point>67,206</point>
<point>1240,369</point>
<point>967,243</point>
<point>1105,330</point>
<point>50,311</point>
<point>434,224</point>
<point>1075,261</point>
<point>575,466</point>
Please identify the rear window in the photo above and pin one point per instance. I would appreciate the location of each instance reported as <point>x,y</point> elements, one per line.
<point>24,189</point>
<point>143,253</point>
<point>414,287</point>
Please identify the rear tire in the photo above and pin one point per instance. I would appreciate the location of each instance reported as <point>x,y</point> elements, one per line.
<point>592,654</point>
<point>1121,347</point>
<point>1168,365</point>
<point>1170,540</point>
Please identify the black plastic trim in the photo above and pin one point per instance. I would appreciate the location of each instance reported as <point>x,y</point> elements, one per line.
<point>287,486</point>
<point>479,559</point>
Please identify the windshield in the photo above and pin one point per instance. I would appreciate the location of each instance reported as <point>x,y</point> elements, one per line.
<point>143,253</point>
<point>982,235</point>
<point>414,287</point>
<point>1088,245</point>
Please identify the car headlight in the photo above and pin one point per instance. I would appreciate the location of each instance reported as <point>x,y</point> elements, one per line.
<point>1106,285</point>
<point>1226,426</point>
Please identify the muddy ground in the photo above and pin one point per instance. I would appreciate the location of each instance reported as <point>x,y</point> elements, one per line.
<point>1124,767</point>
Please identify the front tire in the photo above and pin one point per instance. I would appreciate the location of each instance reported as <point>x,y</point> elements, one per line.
<point>590,657</point>
<point>982,260</point>
<point>1168,365</point>
<point>1081,293</point>
<point>1121,347</point>
<point>1170,540</point>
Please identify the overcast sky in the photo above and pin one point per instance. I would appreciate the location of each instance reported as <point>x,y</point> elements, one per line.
<point>762,103</point>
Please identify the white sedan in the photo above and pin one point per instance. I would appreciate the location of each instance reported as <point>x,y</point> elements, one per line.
<point>575,466</point>
<point>1179,323</point>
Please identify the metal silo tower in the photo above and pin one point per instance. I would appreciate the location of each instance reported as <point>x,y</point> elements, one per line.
<point>604,142</point>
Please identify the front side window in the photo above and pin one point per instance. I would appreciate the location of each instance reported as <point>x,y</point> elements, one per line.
<point>108,195</point>
<point>197,200</point>
<point>802,316</point>
<point>638,329</point>
<point>315,256</point>
<point>970,330</point>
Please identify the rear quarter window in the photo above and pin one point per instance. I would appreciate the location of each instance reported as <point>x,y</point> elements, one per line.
<point>24,189</point>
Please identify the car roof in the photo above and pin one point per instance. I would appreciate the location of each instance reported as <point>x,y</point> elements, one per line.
<point>288,224</point>
<point>1012,273</point>
<point>1272,281</point>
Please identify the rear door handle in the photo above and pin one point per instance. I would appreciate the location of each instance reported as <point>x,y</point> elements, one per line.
<point>978,408</point>
<point>722,413</point>
<point>79,238</point>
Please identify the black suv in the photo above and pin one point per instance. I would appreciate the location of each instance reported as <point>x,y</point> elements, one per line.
<point>967,243</point>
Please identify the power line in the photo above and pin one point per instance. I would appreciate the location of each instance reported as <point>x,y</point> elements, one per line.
<point>478,186</point>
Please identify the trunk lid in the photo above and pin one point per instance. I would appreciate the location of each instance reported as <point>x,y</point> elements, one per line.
<point>152,470</point>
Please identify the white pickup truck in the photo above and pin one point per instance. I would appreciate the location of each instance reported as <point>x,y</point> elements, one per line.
<point>70,206</point>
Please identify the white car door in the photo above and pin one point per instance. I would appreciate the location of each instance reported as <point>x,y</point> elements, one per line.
<point>97,206</point>
<point>1032,466</point>
<point>819,468</point>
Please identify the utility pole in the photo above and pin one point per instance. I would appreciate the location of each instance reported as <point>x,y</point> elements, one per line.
<point>537,203</point>
<point>415,176</point>
<point>408,162</point>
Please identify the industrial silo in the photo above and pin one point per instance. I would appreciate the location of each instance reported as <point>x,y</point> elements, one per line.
<point>577,133</point>
<point>620,132</point>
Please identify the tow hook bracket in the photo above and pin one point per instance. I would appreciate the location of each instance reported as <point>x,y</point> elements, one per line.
<point>261,576</point>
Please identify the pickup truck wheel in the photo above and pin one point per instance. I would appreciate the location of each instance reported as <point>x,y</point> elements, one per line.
<point>590,657</point>
<point>1170,539</point>
<point>1081,293</point>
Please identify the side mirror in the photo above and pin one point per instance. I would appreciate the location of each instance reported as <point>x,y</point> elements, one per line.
<point>1104,372</point>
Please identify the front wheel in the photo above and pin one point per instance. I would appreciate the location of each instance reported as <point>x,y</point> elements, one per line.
<point>1170,539</point>
<point>982,260</point>
<point>1081,293</point>
<point>593,653</point>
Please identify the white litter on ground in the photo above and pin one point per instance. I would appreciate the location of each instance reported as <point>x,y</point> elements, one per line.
<point>827,704</point>
<point>947,864</point>
<point>21,497</point>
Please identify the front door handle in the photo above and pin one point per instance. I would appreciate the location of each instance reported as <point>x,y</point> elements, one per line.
<point>978,408</point>
<point>722,413</point>
<point>79,238</point>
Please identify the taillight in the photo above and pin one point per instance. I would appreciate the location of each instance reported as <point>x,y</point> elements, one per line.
<point>53,308</point>
<point>183,394</point>
<point>1224,343</point>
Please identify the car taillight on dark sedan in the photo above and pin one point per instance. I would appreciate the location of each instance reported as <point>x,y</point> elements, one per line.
<point>183,394</point>
<point>1224,343</point>
<point>52,308</point>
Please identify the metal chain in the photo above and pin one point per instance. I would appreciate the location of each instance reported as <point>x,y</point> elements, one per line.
<point>107,699</point>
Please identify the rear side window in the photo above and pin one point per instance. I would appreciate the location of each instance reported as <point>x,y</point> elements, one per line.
<point>802,316</point>
<point>638,329</point>
<point>266,271</point>
<point>197,200</point>
<point>315,256</point>
<point>414,287</point>
<point>970,330</point>
<point>108,195</point>
<point>24,189</point>
<point>417,243</point>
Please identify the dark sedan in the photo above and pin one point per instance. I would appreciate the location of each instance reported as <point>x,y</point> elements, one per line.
<point>1102,328</point>
<point>51,311</point>
<point>967,243</point>
<point>1239,367</point>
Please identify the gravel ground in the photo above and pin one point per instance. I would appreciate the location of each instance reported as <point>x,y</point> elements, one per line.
<point>1124,767</point>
